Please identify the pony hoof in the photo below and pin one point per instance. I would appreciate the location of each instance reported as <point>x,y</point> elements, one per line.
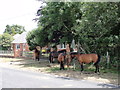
<point>95,71</point>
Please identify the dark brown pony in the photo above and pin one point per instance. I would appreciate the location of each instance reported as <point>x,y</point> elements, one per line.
<point>62,58</point>
<point>54,55</point>
<point>37,54</point>
<point>87,58</point>
<point>65,57</point>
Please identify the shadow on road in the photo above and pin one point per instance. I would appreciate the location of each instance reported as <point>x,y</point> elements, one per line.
<point>109,86</point>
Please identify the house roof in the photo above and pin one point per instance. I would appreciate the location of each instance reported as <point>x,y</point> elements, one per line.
<point>16,35</point>
<point>20,38</point>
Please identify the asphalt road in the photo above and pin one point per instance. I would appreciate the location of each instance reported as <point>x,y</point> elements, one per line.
<point>13,78</point>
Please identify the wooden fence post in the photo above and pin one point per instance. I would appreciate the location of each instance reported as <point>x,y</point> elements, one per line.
<point>108,60</point>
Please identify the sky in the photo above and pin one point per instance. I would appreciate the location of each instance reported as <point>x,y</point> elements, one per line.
<point>20,12</point>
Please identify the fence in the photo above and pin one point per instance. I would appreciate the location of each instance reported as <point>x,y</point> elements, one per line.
<point>6,53</point>
<point>28,54</point>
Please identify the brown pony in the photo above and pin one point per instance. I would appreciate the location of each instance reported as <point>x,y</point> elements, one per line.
<point>37,54</point>
<point>62,57</point>
<point>87,58</point>
<point>54,54</point>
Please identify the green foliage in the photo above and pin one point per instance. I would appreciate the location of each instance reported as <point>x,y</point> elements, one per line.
<point>37,37</point>
<point>31,39</point>
<point>95,25</point>
<point>5,41</point>
<point>14,29</point>
<point>58,19</point>
<point>7,37</point>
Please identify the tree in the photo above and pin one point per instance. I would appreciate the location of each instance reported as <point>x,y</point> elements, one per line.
<point>57,19</point>
<point>94,25</point>
<point>31,39</point>
<point>7,37</point>
<point>98,27</point>
<point>5,41</point>
<point>0,42</point>
<point>14,29</point>
<point>37,37</point>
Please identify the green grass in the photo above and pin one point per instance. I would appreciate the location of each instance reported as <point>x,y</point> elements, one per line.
<point>87,69</point>
<point>109,70</point>
<point>53,69</point>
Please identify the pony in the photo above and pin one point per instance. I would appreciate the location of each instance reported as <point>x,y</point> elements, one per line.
<point>64,57</point>
<point>37,54</point>
<point>54,55</point>
<point>87,58</point>
<point>61,59</point>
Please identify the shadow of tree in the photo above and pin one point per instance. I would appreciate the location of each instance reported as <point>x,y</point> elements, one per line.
<point>109,86</point>
<point>30,63</point>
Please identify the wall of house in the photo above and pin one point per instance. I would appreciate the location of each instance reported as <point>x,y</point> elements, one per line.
<point>18,49</point>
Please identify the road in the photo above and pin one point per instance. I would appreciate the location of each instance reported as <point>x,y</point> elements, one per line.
<point>14,78</point>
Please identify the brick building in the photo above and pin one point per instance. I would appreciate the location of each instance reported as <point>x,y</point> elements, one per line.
<point>63,47</point>
<point>19,45</point>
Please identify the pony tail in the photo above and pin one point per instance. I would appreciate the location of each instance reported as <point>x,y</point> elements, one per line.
<point>97,60</point>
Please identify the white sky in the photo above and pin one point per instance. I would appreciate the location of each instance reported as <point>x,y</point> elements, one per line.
<point>20,12</point>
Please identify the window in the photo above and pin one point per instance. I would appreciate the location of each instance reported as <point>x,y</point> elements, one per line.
<point>17,46</point>
<point>62,46</point>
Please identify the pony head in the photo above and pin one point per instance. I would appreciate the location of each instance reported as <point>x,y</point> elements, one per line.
<point>74,54</point>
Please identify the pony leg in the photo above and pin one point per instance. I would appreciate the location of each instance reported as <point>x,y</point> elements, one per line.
<point>97,68</point>
<point>62,62</point>
<point>68,62</point>
<point>81,67</point>
<point>62,65</point>
<point>96,64</point>
<point>51,60</point>
<point>38,58</point>
<point>35,58</point>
